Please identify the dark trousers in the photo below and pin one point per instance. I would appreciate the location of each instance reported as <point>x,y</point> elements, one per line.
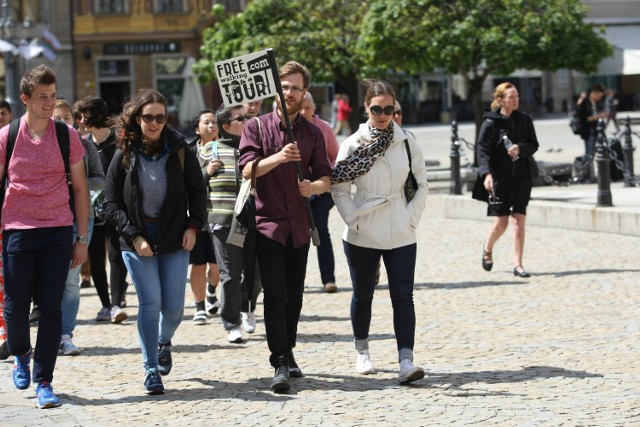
<point>320,206</point>
<point>400,264</point>
<point>282,271</point>
<point>36,261</point>
<point>118,271</point>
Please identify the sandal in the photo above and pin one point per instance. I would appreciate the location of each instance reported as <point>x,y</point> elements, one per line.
<point>487,260</point>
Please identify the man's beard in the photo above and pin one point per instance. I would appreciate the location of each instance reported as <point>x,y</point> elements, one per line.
<point>291,110</point>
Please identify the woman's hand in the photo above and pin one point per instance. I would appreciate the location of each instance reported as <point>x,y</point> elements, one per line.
<point>514,151</point>
<point>213,167</point>
<point>488,182</point>
<point>188,239</point>
<point>142,247</point>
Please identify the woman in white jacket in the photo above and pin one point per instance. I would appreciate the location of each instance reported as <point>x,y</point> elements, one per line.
<point>380,221</point>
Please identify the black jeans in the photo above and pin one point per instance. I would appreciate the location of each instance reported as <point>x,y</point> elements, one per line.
<point>36,261</point>
<point>282,271</point>
<point>320,206</point>
<point>400,264</point>
<point>118,271</point>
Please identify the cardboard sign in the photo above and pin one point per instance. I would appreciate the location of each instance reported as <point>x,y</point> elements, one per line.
<point>245,78</point>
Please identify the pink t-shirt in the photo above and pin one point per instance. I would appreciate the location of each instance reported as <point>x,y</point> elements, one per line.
<point>37,195</point>
<point>329,139</point>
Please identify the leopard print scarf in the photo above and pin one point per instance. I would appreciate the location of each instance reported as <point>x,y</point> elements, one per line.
<point>362,159</point>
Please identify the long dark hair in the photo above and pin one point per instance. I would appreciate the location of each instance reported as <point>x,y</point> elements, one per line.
<point>129,131</point>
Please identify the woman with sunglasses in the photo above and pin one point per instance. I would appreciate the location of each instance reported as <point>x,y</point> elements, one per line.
<point>381,222</point>
<point>155,197</point>
<point>507,139</point>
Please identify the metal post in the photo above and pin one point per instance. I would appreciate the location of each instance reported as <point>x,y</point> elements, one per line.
<point>604,163</point>
<point>456,184</point>
<point>627,150</point>
<point>9,59</point>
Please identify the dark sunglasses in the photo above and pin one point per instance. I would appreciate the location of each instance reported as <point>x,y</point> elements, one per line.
<point>149,118</point>
<point>239,119</point>
<point>377,110</point>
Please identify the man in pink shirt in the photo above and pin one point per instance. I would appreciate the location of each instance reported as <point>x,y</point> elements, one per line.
<point>322,203</point>
<point>37,231</point>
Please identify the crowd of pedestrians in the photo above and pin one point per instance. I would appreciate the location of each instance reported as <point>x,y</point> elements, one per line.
<point>132,190</point>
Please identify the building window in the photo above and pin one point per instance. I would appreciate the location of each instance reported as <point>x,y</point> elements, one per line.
<point>164,6</point>
<point>232,5</point>
<point>111,6</point>
<point>169,77</point>
<point>115,81</point>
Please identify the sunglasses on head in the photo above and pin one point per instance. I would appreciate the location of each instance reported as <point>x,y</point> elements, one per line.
<point>377,110</point>
<point>149,118</point>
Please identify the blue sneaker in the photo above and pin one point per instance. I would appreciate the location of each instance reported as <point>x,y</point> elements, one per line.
<point>46,397</point>
<point>165,362</point>
<point>22,371</point>
<point>153,382</point>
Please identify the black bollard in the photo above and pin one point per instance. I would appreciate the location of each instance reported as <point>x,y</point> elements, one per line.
<point>603,161</point>
<point>456,184</point>
<point>627,150</point>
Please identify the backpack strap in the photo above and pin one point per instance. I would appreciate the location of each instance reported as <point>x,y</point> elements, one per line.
<point>181,157</point>
<point>14,127</point>
<point>62,135</point>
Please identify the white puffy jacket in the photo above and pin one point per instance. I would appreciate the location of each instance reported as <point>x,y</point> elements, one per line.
<point>378,215</point>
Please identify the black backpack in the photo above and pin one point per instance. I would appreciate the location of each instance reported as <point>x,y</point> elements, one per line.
<point>574,121</point>
<point>62,135</point>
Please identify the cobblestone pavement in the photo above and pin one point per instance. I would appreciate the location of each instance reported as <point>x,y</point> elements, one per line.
<point>560,348</point>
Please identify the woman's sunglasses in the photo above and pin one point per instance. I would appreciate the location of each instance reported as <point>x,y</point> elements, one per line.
<point>377,110</point>
<point>149,118</point>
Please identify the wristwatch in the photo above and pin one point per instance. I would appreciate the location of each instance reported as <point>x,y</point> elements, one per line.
<point>82,239</point>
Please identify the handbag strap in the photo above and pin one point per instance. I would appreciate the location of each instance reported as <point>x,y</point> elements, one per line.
<point>406,145</point>
<point>254,166</point>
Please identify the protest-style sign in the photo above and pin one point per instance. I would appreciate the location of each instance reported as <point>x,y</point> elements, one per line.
<point>246,78</point>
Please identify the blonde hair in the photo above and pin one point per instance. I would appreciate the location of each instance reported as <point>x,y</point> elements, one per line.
<point>499,93</point>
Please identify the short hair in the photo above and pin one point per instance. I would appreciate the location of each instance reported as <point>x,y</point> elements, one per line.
<point>195,122</point>
<point>597,87</point>
<point>63,103</point>
<point>98,112</point>
<point>377,88</point>
<point>309,97</point>
<point>293,67</point>
<point>5,104</point>
<point>224,115</point>
<point>40,75</point>
<point>499,92</point>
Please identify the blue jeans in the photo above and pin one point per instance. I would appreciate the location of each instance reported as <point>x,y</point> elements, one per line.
<point>160,282</point>
<point>36,261</point>
<point>71,296</point>
<point>320,207</point>
<point>400,264</point>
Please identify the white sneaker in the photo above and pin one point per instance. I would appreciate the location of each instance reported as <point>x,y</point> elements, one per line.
<point>67,348</point>
<point>118,315</point>
<point>200,318</point>
<point>248,322</point>
<point>235,335</point>
<point>409,373</point>
<point>363,363</point>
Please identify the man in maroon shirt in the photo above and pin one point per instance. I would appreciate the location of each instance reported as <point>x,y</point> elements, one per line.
<point>283,234</point>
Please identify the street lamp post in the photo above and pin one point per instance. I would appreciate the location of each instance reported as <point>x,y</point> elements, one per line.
<point>8,33</point>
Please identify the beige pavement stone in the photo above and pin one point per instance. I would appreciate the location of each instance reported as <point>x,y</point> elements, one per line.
<point>560,348</point>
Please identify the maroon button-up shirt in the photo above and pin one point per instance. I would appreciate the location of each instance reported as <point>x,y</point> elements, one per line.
<point>280,209</point>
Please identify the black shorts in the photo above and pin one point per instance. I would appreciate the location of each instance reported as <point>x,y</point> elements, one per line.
<point>202,252</point>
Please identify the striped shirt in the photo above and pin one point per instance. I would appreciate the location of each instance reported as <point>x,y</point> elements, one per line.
<point>224,186</point>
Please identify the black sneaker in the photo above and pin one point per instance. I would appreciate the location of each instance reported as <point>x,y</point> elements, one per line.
<point>165,363</point>
<point>153,382</point>
<point>86,283</point>
<point>4,350</point>
<point>294,369</point>
<point>212,304</point>
<point>35,314</point>
<point>280,383</point>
